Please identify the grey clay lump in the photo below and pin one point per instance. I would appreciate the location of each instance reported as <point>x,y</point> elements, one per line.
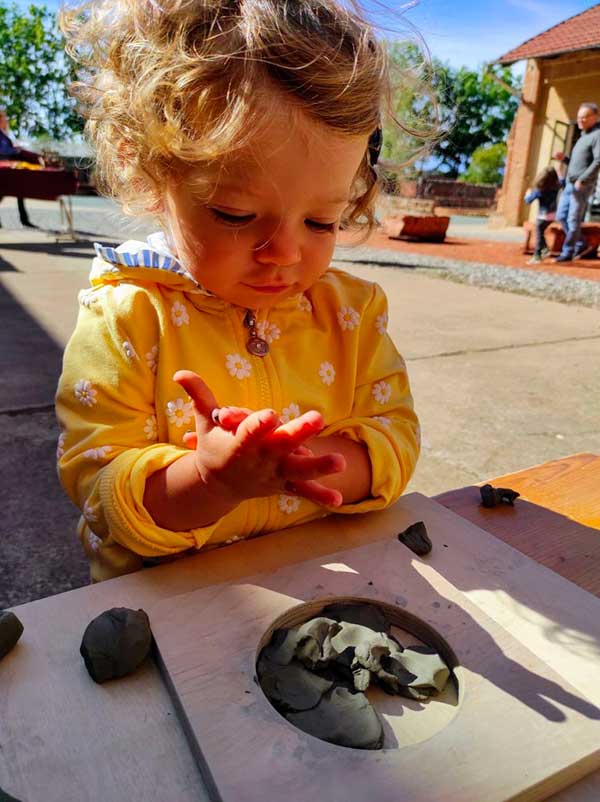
<point>115,643</point>
<point>416,538</point>
<point>11,630</point>
<point>342,718</point>
<point>315,674</point>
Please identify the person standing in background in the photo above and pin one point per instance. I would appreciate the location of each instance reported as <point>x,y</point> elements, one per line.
<point>9,151</point>
<point>582,173</point>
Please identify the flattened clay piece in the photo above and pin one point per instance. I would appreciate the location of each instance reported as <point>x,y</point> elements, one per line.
<point>314,645</point>
<point>115,643</point>
<point>11,630</point>
<point>431,672</point>
<point>492,496</point>
<point>416,538</point>
<point>291,687</point>
<point>342,718</point>
<point>282,646</point>
<point>367,615</point>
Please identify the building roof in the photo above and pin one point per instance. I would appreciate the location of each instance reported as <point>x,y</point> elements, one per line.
<point>581,32</point>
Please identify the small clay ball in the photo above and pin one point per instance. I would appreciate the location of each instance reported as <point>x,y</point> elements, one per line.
<point>11,630</point>
<point>115,643</point>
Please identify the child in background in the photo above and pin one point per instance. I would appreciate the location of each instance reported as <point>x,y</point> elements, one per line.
<point>222,380</point>
<point>545,190</point>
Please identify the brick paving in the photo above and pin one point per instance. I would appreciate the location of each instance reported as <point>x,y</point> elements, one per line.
<point>491,252</point>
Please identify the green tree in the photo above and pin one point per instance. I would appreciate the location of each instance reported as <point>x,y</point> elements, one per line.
<point>477,109</point>
<point>35,73</point>
<point>486,165</point>
<point>467,108</point>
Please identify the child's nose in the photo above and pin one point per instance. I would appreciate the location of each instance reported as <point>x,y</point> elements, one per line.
<point>281,248</point>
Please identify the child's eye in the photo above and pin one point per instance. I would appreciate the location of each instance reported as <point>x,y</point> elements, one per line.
<point>231,219</point>
<point>320,226</point>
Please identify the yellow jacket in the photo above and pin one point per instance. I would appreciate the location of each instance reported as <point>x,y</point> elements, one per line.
<point>123,417</point>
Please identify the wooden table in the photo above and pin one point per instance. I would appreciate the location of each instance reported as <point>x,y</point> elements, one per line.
<point>64,738</point>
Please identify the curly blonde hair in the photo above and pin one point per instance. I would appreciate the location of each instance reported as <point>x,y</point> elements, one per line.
<point>183,83</point>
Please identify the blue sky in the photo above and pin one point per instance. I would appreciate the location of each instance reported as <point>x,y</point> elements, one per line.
<point>470,32</point>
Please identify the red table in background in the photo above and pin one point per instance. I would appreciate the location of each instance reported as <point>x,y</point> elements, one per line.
<point>46,183</point>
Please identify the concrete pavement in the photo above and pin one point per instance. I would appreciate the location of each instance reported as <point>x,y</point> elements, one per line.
<point>501,382</point>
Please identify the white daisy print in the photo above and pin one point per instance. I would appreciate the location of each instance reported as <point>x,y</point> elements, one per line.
<point>150,429</point>
<point>381,392</point>
<point>97,453</point>
<point>289,413</point>
<point>327,372</point>
<point>381,323</point>
<point>179,412</point>
<point>94,541</point>
<point>268,331</point>
<point>348,318</point>
<point>129,350</point>
<point>87,298</point>
<point>304,305</point>
<point>237,366</point>
<point>288,504</point>
<point>89,513</point>
<point>60,445</point>
<point>179,314</point>
<point>383,420</point>
<point>85,393</point>
<point>151,358</point>
<point>233,539</point>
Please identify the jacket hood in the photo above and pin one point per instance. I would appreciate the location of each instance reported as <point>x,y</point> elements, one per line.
<point>142,261</point>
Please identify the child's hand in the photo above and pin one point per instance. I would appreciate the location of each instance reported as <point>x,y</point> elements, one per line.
<point>250,454</point>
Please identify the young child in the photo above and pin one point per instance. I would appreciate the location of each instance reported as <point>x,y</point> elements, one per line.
<point>222,380</point>
<point>545,190</point>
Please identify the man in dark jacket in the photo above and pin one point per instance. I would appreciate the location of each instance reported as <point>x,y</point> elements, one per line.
<point>582,173</point>
<point>8,151</point>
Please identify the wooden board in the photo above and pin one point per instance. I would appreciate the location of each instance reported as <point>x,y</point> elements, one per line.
<point>527,723</point>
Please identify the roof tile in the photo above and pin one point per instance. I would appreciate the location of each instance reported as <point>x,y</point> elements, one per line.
<point>580,32</point>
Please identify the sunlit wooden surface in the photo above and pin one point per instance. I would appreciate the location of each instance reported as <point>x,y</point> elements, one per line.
<point>556,520</point>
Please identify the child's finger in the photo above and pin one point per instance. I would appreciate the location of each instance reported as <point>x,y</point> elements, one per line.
<point>190,440</point>
<point>256,426</point>
<point>231,417</point>
<point>201,395</point>
<point>290,435</point>
<point>314,491</point>
<point>295,466</point>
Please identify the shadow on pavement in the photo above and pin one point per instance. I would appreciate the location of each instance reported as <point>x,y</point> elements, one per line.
<point>39,551</point>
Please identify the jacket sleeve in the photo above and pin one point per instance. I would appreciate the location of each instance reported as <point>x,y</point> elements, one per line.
<point>110,438</point>
<point>592,169</point>
<point>382,416</point>
<point>533,194</point>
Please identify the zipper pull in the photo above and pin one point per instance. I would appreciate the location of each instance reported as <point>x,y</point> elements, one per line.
<point>255,345</point>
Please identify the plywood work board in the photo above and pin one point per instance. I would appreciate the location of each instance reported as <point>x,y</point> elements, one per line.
<point>527,720</point>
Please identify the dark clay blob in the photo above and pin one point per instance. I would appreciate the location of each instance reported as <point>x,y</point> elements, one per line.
<point>291,687</point>
<point>492,496</point>
<point>367,615</point>
<point>416,538</point>
<point>342,718</point>
<point>4,797</point>
<point>11,630</point>
<point>115,643</point>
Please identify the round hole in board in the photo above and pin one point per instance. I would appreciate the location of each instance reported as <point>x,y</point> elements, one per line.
<point>405,721</point>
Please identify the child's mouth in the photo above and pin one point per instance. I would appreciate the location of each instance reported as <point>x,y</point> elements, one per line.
<point>269,288</point>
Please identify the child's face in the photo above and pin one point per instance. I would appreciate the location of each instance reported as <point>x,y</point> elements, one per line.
<point>269,228</point>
